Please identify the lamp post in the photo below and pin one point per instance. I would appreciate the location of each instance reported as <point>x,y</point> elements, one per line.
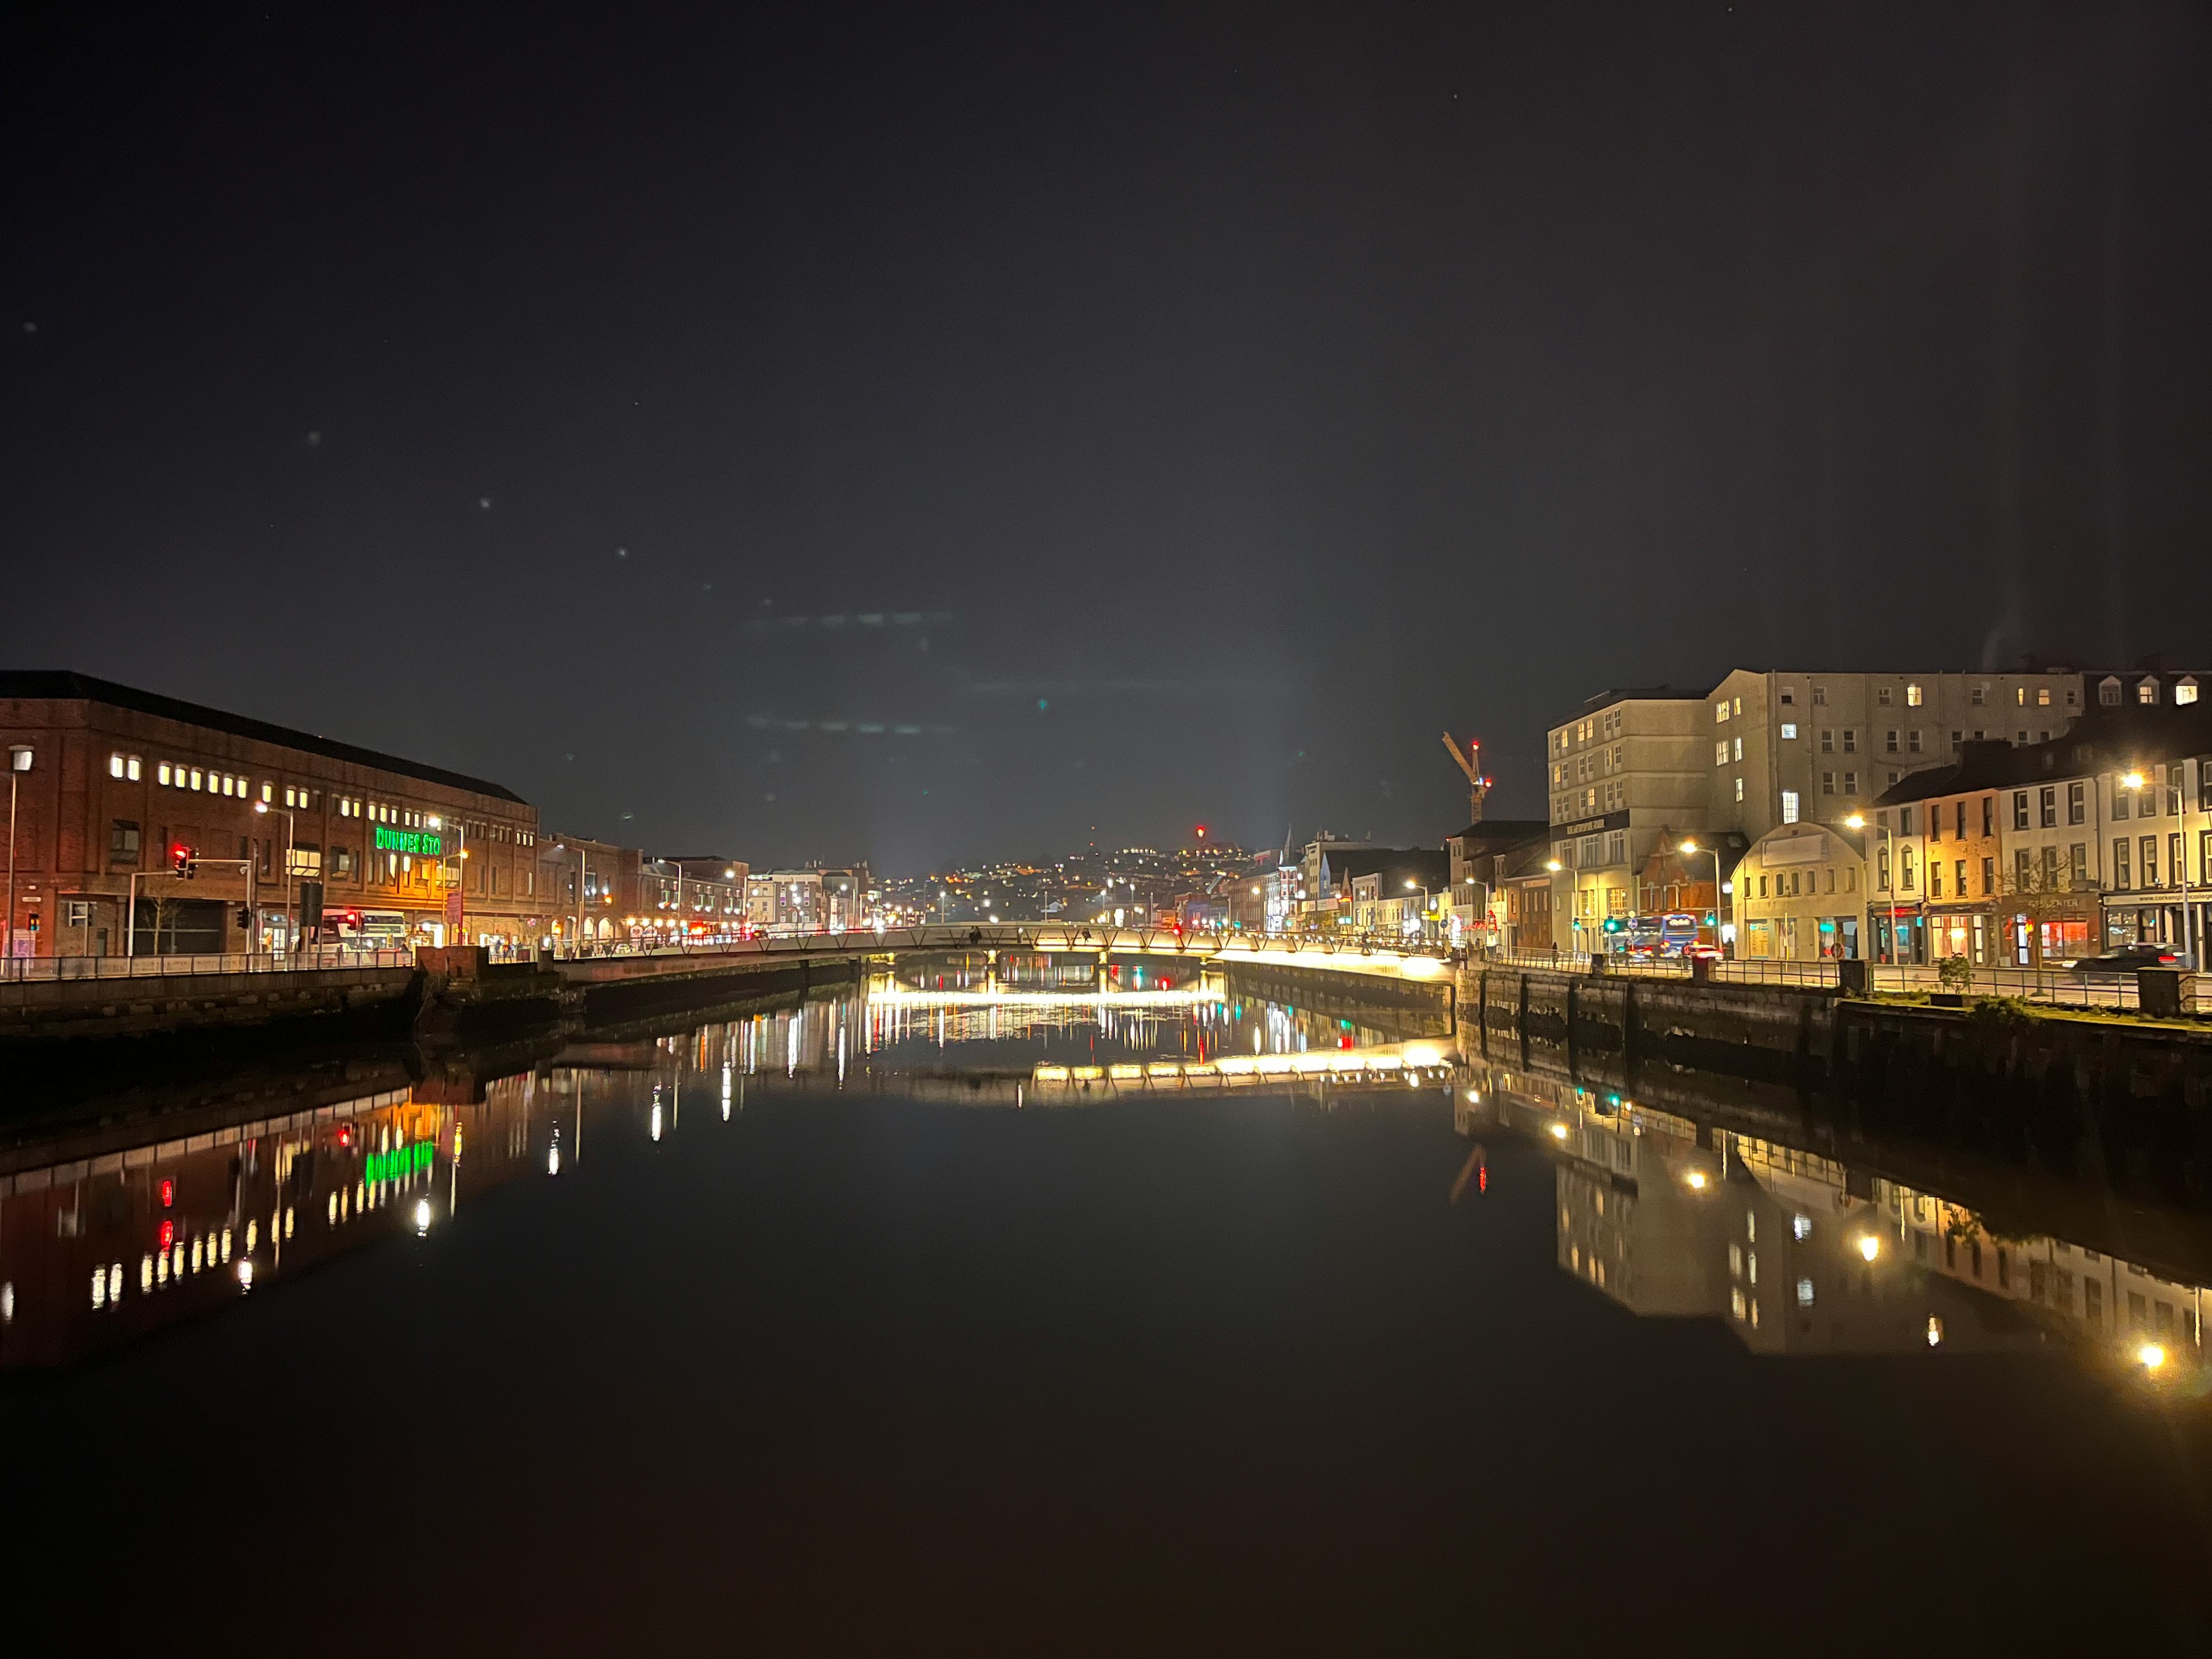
<point>19,762</point>
<point>1690,848</point>
<point>1858,821</point>
<point>2134,782</point>
<point>264,808</point>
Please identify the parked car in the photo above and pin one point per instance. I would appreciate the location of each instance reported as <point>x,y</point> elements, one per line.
<point>2127,959</point>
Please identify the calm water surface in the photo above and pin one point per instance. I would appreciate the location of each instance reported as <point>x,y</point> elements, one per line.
<point>839,1326</point>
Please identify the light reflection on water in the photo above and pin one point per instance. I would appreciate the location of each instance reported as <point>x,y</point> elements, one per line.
<point>1787,1248</point>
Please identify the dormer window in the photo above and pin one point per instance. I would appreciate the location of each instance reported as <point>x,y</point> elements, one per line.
<point>2184,691</point>
<point>2108,692</point>
<point>2146,692</point>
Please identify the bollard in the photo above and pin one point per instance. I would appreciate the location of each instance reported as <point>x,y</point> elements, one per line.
<point>2159,991</point>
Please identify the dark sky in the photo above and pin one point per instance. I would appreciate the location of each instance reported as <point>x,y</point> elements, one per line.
<point>1213,403</point>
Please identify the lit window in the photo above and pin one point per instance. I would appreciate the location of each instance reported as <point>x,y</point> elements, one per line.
<point>1738,788</point>
<point>1788,732</point>
<point>1790,806</point>
<point>1800,1227</point>
<point>2146,692</point>
<point>196,777</point>
<point>1804,1293</point>
<point>1720,752</point>
<point>134,768</point>
<point>1912,696</point>
<point>1720,711</point>
<point>115,766</point>
<point>2042,696</point>
<point>161,775</point>
<point>269,791</point>
<point>100,1287</point>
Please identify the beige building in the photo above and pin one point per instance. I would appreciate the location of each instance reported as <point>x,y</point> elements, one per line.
<point>1801,896</point>
<point>1784,745</point>
<point>1626,775</point>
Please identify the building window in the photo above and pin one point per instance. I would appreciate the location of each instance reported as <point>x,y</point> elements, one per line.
<point>1913,739</point>
<point>1850,783</point>
<point>2149,845</point>
<point>1788,732</point>
<point>1720,712</point>
<point>1885,697</point>
<point>2076,803</point>
<point>196,777</point>
<point>1828,739</point>
<point>2020,808</point>
<point>1889,742</point>
<point>2119,802</point>
<point>2108,693</point>
<point>1788,695</point>
<point>2120,875</point>
<point>122,841</point>
<point>1851,741</point>
<point>2077,859</point>
<point>1819,696</point>
<point>1739,748</point>
<point>2047,805</point>
<point>2185,691</point>
<point>1905,820</point>
<point>1978,695</point>
<point>2146,692</point>
<point>1955,736</point>
<point>1738,788</point>
<point>161,775</point>
<point>2042,696</point>
<point>1935,879</point>
<point>115,766</point>
<point>1989,877</point>
<point>1827,783</point>
<point>1720,752</point>
<point>1790,806</point>
<point>1912,696</point>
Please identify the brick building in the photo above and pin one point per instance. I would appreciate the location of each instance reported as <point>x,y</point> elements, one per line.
<point>113,784</point>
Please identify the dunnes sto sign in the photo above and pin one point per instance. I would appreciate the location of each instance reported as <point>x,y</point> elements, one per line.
<point>423,843</point>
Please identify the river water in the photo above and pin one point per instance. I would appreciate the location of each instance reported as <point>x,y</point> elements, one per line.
<point>950,1310</point>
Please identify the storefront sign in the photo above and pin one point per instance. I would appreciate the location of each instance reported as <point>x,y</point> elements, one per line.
<point>423,843</point>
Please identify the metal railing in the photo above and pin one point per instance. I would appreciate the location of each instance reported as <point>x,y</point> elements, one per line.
<point>41,969</point>
<point>2058,986</point>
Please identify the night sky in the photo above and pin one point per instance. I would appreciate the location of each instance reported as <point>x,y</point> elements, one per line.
<point>1169,415</point>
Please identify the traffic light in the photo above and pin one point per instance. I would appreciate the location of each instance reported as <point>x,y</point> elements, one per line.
<point>1612,924</point>
<point>245,918</point>
<point>180,860</point>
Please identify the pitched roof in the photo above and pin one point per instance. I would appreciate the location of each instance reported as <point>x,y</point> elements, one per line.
<point>2097,741</point>
<point>64,685</point>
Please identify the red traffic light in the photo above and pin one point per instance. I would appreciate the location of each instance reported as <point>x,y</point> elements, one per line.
<point>180,859</point>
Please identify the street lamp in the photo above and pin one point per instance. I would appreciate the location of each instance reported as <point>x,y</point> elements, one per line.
<point>1689,849</point>
<point>1858,821</point>
<point>263,807</point>
<point>19,762</point>
<point>2134,783</point>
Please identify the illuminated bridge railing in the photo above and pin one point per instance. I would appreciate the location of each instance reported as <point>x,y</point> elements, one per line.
<point>48,969</point>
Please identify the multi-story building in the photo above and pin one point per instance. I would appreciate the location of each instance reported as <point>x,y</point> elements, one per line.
<point>1627,776</point>
<point>1788,744</point>
<point>1801,895</point>
<point>692,898</point>
<point>1475,854</point>
<point>2016,856</point>
<point>117,791</point>
<point>593,885</point>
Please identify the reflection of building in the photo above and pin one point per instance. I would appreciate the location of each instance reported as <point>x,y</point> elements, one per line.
<point>1798,1254</point>
<point>97,1250</point>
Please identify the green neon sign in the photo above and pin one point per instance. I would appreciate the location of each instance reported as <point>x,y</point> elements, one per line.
<point>420,842</point>
<point>398,1166</point>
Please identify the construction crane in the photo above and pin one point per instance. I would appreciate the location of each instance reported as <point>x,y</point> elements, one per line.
<point>1470,762</point>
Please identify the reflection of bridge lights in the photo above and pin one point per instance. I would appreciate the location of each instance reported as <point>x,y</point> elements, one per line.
<point>422,1215</point>
<point>656,1120</point>
<point>246,1273</point>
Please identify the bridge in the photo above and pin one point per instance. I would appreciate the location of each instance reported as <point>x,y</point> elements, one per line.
<point>1410,960</point>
